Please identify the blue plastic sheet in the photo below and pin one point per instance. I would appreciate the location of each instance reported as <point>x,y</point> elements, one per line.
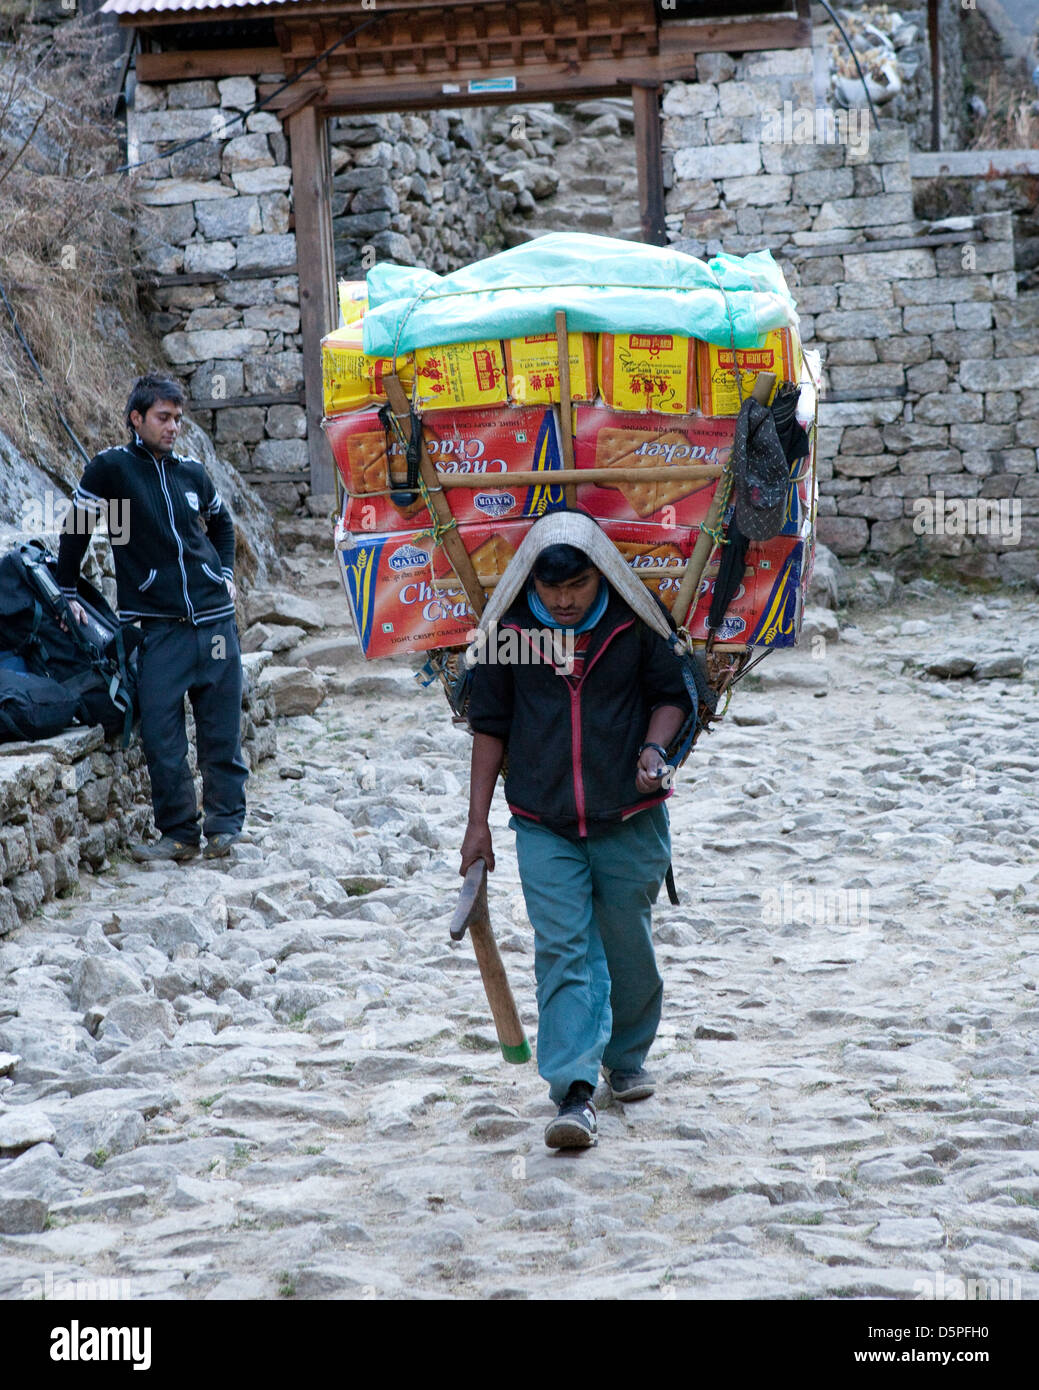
<point>604,284</point>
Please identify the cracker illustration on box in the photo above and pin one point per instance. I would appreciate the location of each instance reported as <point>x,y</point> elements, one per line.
<point>491,559</point>
<point>617,440</point>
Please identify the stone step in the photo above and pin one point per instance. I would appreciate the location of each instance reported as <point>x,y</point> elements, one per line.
<point>298,530</point>
<point>593,185</point>
<point>591,218</point>
<point>518,234</point>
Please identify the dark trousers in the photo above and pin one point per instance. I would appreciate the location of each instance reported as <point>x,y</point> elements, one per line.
<point>175,658</point>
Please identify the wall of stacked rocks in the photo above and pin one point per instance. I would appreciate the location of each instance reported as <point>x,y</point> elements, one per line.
<point>413,189</point>
<point>67,803</point>
<point>218,255</point>
<point>929,351</point>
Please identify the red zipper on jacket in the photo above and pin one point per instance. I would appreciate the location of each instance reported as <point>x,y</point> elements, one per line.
<point>575,728</point>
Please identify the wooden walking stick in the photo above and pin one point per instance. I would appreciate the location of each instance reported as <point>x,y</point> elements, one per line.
<point>472,912</point>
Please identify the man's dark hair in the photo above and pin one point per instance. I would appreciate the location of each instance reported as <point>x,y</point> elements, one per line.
<point>557,563</point>
<point>146,390</point>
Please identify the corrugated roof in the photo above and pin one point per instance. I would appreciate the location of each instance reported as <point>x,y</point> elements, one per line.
<point>174,6</point>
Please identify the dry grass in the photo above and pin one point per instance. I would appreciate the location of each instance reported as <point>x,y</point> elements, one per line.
<point>1012,122</point>
<point>65,256</point>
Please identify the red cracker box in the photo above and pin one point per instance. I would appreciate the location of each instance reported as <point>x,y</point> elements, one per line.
<point>494,442</point>
<point>606,438</point>
<point>766,609</point>
<point>489,442</point>
<point>392,601</point>
<point>359,447</point>
<point>489,544</point>
<point>657,554</point>
<point>800,498</point>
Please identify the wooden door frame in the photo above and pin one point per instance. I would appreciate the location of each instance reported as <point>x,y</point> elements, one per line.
<point>307,130</point>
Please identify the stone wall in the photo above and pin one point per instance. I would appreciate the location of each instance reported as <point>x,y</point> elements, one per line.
<point>929,354</point>
<point>216,214</point>
<point>953,193</point>
<point>67,803</point>
<point>413,189</point>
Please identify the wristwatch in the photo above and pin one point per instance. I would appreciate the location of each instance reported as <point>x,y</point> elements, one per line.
<point>661,751</point>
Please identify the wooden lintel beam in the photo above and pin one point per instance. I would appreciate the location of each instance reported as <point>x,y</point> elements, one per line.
<point>257,476</point>
<point>234,402</point>
<point>534,82</point>
<point>301,95</point>
<point>215,277</point>
<point>734,35</point>
<point>179,67</point>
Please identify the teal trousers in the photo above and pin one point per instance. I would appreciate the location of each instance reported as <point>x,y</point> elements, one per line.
<point>590,901</point>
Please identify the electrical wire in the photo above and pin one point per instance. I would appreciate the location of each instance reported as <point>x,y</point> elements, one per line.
<point>855,58</point>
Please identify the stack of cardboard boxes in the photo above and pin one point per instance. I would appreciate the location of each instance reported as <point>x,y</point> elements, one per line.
<point>491,408</point>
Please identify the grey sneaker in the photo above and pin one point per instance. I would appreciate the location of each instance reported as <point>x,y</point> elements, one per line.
<point>575,1125</point>
<point>166,848</point>
<point>219,845</point>
<point>629,1085</point>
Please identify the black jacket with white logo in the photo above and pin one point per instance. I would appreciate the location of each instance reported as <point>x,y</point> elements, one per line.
<point>167,563</point>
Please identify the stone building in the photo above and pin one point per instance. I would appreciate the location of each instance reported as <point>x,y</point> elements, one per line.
<point>280,143</point>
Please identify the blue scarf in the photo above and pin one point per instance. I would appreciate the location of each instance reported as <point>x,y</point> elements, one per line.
<point>595,611</point>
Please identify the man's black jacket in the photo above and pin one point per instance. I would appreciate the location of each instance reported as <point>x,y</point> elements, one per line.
<point>167,565</point>
<point>572,753</point>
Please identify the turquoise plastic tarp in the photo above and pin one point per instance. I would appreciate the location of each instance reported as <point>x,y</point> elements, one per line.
<point>605,286</point>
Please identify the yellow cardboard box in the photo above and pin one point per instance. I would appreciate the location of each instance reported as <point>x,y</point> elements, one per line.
<point>353,299</point>
<point>350,378</point>
<point>648,371</point>
<point>779,352</point>
<point>532,364</point>
<point>460,374</point>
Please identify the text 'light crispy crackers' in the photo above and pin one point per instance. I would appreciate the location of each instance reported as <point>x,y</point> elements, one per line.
<point>616,439</point>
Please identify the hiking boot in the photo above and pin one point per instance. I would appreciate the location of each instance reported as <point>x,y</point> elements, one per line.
<point>574,1126</point>
<point>629,1085</point>
<point>219,845</point>
<point>166,848</point>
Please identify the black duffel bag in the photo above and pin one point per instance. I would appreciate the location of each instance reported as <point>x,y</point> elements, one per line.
<point>33,707</point>
<point>94,661</point>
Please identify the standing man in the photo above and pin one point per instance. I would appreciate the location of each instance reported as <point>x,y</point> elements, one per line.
<point>175,577</point>
<point>585,741</point>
